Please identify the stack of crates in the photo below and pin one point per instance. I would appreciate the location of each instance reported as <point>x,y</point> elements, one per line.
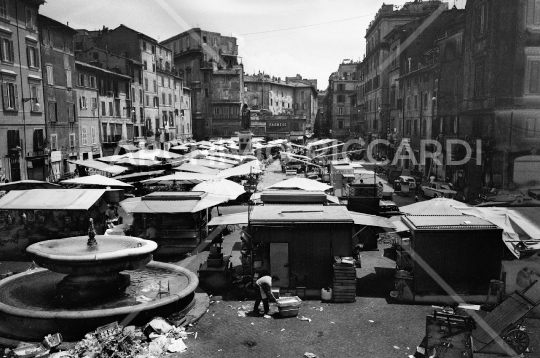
<point>344,289</point>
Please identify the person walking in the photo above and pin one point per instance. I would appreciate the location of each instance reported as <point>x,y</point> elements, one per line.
<point>263,287</point>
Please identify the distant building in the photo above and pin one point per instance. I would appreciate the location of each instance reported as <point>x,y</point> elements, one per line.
<point>157,67</point>
<point>60,100</point>
<point>281,109</point>
<point>341,84</point>
<point>200,55</point>
<point>185,129</point>
<point>23,145</point>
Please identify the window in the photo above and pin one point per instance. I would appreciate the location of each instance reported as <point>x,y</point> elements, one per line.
<point>534,76</point>
<point>81,79</point>
<point>93,135</point>
<point>532,13</point>
<point>481,18</point>
<point>110,109</point>
<point>147,100</point>
<point>145,65</point>
<point>170,100</point>
<point>154,82</point>
<point>425,100</point>
<point>7,50</point>
<point>54,142</point>
<point>68,78</point>
<point>3,8</point>
<point>50,75</point>
<point>103,113</point>
<point>38,140</point>
<point>156,101</point>
<point>408,103</point>
<point>532,127</point>
<point>92,80</point>
<point>163,98</point>
<point>479,80</point>
<point>10,96</point>
<point>146,84</point>
<point>34,93</point>
<point>340,124</point>
<point>72,139</point>
<point>32,55</point>
<point>415,101</point>
<point>375,124</point>
<point>206,93</point>
<point>341,98</point>
<point>82,102</point>
<point>340,110</point>
<point>30,18</point>
<point>144,46</point>
<point>84,138</point>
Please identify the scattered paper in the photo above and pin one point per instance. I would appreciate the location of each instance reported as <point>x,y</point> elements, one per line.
<point>282,329</point>
<point>303,318</point>
<point>372,321</point>
<point>309,355</point>
<point>396,347</point>
<point>177,345</point>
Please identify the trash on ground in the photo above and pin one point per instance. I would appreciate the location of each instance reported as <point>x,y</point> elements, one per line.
<point>303,318</point>
<point>309,355</point>
<point>396,347</point>
<point>372,321</point>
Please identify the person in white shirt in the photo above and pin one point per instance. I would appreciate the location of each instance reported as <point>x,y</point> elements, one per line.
<point>263,287</point>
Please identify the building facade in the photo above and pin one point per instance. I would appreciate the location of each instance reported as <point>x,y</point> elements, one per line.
<point>59,95</point>
<point>501,93</point>
<point>341,84</point>
<point>23,136</point>
<point>198,55</point>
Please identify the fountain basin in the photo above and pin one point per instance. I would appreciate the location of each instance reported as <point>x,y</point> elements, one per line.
<point>72,256</point>
<point>29,310</point>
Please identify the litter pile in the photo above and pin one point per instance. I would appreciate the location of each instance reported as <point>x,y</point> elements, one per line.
<point>156,339</point>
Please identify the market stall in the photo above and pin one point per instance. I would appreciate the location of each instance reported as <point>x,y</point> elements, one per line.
<point>35,215</point>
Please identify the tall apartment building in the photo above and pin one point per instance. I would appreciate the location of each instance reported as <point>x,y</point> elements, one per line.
<point>502,90</point>
<point>200,55</point>
<point>341,84</point>
<point>60,100</point>
<point>157,63</point>
<point>106,60</point>
<point>111,107</point>
<point>23,146</point>
<point>377,88</point>
<point>281,108</point>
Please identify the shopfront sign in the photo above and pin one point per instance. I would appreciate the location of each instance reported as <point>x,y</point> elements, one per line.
<point>56,156</point>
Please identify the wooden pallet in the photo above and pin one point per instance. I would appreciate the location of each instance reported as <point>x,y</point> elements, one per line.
<point>344,288</point>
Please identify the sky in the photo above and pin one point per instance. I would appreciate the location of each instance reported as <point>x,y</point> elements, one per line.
<point>281,37</point>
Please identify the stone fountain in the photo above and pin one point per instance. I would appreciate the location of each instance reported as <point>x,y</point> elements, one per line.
<point>82,286</point>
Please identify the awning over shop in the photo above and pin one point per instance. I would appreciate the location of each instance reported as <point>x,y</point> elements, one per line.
<point>371,220</point>
<point>51,199</point>
<point>172,203</point>
<point>95,180</point>
<point>241,170</point>
<point>232,219</point>
<point>187,167</point>
<point>94,164</point>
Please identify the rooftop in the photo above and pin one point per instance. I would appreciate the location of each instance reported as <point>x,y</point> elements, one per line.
<point>447,222</point>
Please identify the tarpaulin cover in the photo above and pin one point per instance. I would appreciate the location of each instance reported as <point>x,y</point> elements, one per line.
<point>94,164</point>
<point>231,219</point>
<point>51,199</point>
<point>371,220</point>
<point>180,178</point>
<point>95,179</point>
<point>241,170</point>
<point>138,205</point>
<point>187,167</point>
<point>300,183</point>
<point>210,163</point>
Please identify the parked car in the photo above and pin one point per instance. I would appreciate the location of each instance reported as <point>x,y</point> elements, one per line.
<point>388,208</point>
<point>503,196</point>
<point>438,190</point>
<point>534,193</point>
<point>408,179</point>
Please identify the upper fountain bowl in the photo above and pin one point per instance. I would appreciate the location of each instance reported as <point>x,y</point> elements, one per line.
<point>72,255</point>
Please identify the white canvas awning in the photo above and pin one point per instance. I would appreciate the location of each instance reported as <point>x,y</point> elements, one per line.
<point>371,220</point>
<point>95,179</point>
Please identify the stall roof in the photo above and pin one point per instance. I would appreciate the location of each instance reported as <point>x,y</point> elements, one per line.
<point>95,179</point>
<point>129,147</point>
<point>139,174</point>
<point>172,202</point>
<point>180,177</point>
<point>301,213</point>
<point>447,222</point>
<point>188,167</point>
<point>435,206</point>
<point>243,169</point>
<point>221,159</point>
<point>51,199</point>
<point>210,163</point>
<point>231,219</point>
<point>371,220</point>
<point>94,164</point>
<point>300,183</point>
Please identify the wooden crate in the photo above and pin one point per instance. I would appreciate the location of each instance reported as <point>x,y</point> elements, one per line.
<point>344,283</point>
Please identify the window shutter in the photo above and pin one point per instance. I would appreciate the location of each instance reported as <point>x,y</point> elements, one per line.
<point>5,94</point>
<point>80,103</point>
<point>12,51</point>
<point>28,56</point>
<point>16,104</point>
